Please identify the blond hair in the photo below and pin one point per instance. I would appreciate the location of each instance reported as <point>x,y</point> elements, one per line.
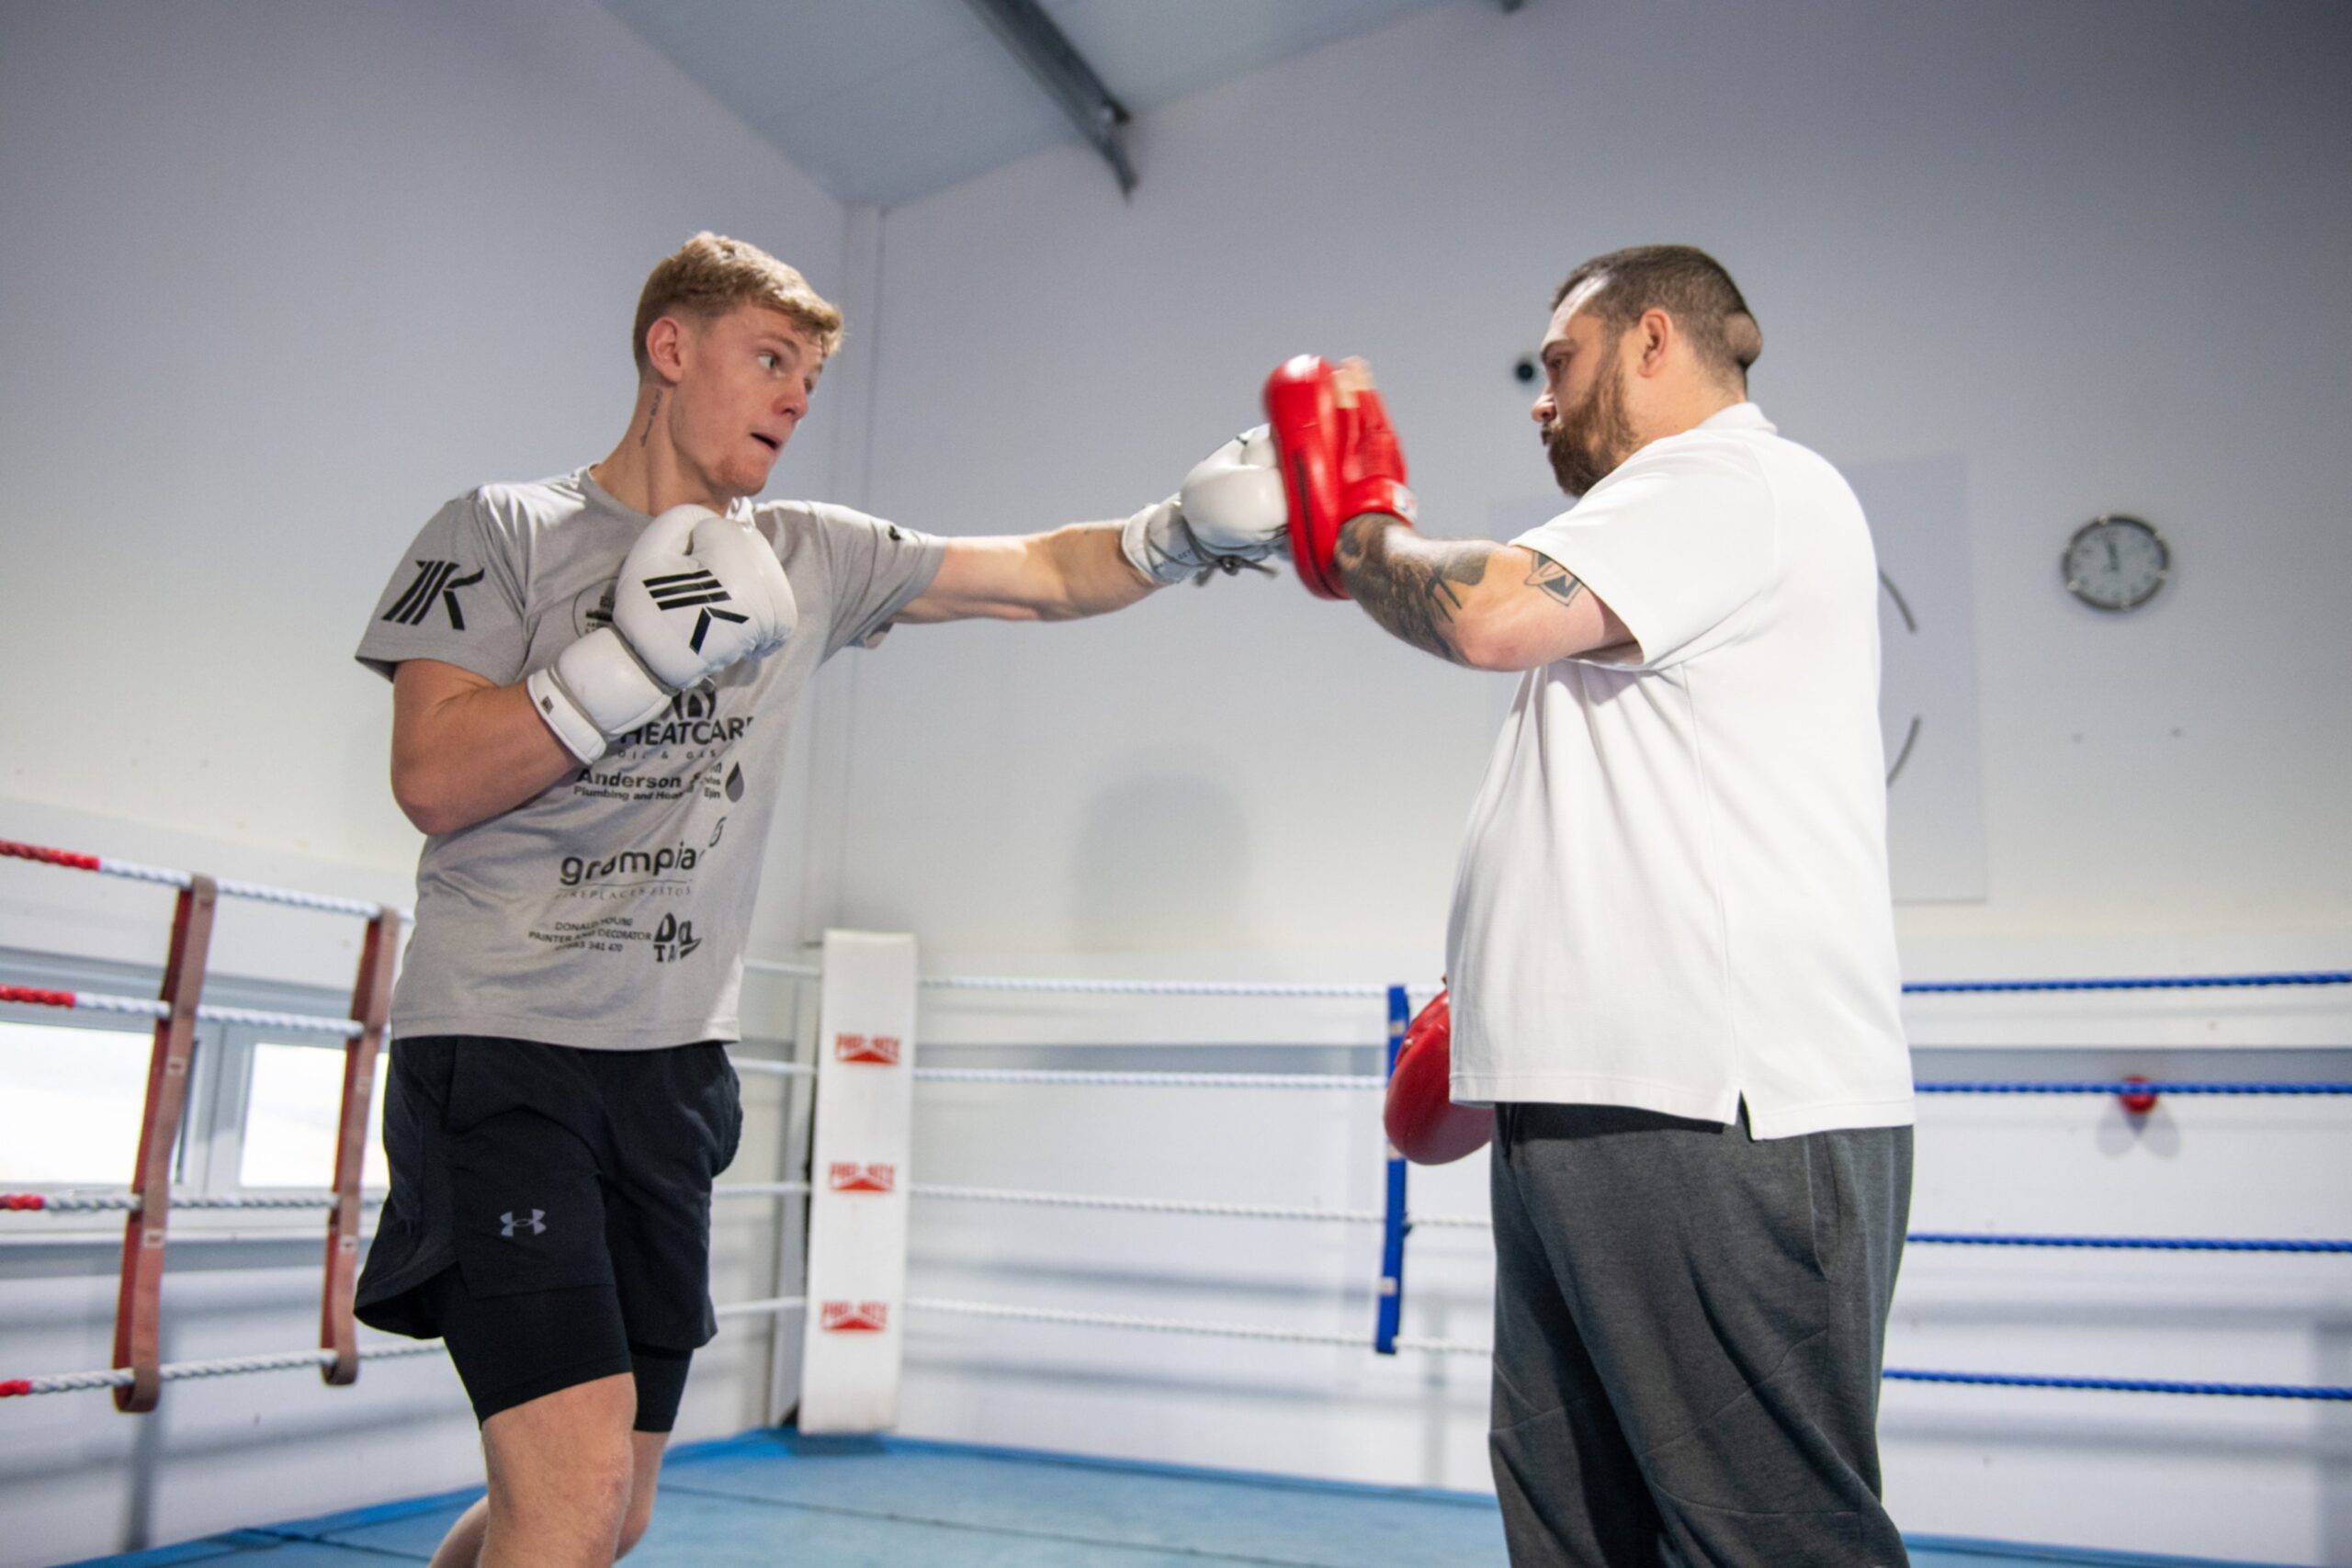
<point>711,275</point>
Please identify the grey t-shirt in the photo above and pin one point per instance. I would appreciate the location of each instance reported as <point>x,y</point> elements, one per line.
<point>610,910</point>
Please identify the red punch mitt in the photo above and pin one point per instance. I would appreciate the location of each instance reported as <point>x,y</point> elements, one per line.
<point>1423,1123</point>
<point>1338,459</point>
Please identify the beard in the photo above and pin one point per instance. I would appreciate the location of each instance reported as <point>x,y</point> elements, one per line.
<point>1588,442</point>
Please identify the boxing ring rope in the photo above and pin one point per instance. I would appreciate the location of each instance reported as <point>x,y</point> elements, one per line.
<point>177,1010</point>
<point>1472,1222</point>
<point>369,1350</point>
<point>2143,983</point>
<point>1147,1080</point>
<point>183,880</point>
<point>88,1202</point>
<point>1274,988</point>
<point>2134,1088</point>
<point>255,1017</point>
<point>2137,1095</point>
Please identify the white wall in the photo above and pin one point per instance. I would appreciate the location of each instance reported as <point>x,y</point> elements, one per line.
<point>277,279</point>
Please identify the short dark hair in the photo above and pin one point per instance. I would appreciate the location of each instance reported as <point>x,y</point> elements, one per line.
<point>1687,284</point>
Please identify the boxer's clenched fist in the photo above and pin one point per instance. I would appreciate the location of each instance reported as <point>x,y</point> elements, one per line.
<point>696,593</point>
<point>1228,515</point>
<point>699,591</point>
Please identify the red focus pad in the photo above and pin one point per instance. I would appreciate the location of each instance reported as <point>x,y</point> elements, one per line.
<point>1423,1123</point>
<point>1338,459</point>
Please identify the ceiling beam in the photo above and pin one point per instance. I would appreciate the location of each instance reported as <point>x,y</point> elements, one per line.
<point>1026,29</point>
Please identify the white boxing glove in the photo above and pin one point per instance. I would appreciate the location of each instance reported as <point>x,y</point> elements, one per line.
<point>699,591</point>
<point>696,593</point>
<point>1230,514</point>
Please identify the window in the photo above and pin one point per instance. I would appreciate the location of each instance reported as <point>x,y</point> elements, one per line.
<point>71,1099</point>
<point>294,1100</point>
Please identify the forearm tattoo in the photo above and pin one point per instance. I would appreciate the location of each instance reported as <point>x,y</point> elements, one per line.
<point>1416,594</point>
<point>1555,579</point>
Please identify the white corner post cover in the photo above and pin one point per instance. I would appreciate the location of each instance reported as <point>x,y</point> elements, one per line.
<point>853,1338</point>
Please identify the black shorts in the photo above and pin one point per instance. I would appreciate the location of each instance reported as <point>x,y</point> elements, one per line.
<point>566,1193</point>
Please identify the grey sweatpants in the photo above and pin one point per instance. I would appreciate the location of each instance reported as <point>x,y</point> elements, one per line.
<point>1689,1324</point>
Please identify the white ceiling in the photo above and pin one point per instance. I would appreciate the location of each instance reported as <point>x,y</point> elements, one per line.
<point>882,101</point>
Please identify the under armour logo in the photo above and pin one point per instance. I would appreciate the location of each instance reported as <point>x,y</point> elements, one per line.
<point>537,1224</point>
<point>685,590</point>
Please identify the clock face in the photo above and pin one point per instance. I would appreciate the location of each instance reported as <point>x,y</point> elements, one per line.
<point>2115,563</point>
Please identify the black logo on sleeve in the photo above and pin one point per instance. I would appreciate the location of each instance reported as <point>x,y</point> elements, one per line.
<point>435,580</point>
<point>674,939</point>
<point>686,590</point>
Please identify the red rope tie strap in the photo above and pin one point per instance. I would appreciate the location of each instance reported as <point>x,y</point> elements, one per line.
<point>47,856</point>
<point>15,1388</point>
<point>22,1202</point>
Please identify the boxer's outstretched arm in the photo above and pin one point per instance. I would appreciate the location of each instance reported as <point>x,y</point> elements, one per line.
<point>1471,601</point>
<point>464,748</point>
<point>1059,576</point>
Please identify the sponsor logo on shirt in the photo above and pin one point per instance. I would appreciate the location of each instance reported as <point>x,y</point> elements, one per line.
<point>692,719</point>
<point>882,1049</point>
<point>674,939</point>
<point>435,580</point>
<point>850,1176</point>
<point>591,608</point>
<point>535,1221</point>
<point>627,866</point>
<point>856,1317</point>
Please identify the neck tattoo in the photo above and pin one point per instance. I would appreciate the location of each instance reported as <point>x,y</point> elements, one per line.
<point>647,435</point>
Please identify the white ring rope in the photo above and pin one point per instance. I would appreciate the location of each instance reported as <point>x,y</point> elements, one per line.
<point>1302,990</point>
<point>1185,1325</point>
<point>759,1190</point>
<point>1149,1080</point>
<point>109,866</point>
<point>229,1366</point>
<point>128,1202</point>
<point>1161,987</point>
<point>769,1307</point>
<point>1150,1205</point>
<point>299,1022</point>
<point>774,1069</point>
<point>369,1350</point>
<point>1148,1325</point>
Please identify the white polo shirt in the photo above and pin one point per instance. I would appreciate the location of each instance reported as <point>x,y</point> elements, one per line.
<point>1673,889</point>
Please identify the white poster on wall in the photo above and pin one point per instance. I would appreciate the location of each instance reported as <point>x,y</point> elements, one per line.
<point>1934,806</point>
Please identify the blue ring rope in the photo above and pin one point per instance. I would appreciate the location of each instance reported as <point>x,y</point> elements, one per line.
<point>1996,1086</point>
<point>2144,983</point>
<point>2146,1243</point>
<point>2125,1385</point>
